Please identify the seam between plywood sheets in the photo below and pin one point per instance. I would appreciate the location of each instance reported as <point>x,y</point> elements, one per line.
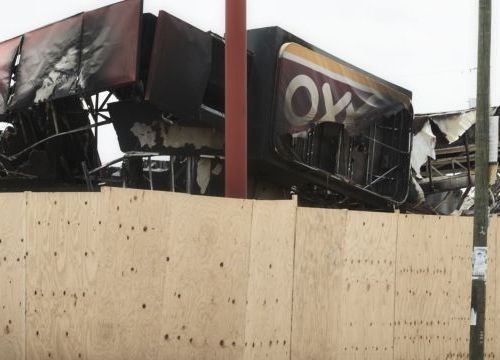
<point>293,277</point>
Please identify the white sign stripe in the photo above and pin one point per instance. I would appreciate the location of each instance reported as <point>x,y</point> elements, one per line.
<point>332,75</point>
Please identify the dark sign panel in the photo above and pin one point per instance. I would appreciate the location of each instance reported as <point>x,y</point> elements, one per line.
<point>110,46</point>
<point>49,63</point>
<point>314,89</point>
<point>180,67</point>
<point>87,53</point>
<point>8,51</point>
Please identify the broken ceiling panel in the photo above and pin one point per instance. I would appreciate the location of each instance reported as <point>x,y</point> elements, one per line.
<point>424,144</point>
<point>8,51</point>
<point>453,126</point>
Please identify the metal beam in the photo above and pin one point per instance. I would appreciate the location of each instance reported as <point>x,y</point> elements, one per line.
<point>236,100</point>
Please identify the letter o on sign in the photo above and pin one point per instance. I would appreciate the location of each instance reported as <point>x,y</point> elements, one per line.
<point>298,82</point>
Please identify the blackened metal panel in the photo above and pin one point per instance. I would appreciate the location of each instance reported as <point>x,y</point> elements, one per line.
<point>49,63</point>
<point>110,46</point>
<point>141,127</point>
<point>8,51</point>
<point>180,67</point>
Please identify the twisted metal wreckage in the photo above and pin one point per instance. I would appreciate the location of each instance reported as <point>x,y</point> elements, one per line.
<point>319,127</point>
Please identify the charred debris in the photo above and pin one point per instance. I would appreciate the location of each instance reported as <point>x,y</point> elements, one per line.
<point>318,127</point>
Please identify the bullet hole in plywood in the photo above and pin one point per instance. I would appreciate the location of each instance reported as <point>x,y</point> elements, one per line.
<point>22,240</point>
<point>55,202</point>
<point>233,301</point>
<point>100,222</point>
<point>86,253</point>
<point>68,222</point>
<point>55,253</point>
<point>117,208</point>
<point>37,333</point>
<point>120,226</point>
<point>132,228</point>
<point>221,343</point>
<point>168,258</point>
<point>135,197</point>
<point>145,229</point>
<point>143,306</point>
<point>233,343</point>
<point>270,266</point>
<point>79,355</point>
<point>221,264</point>
<point>166,337</point>
<point>178,296</point>
<point>190,340</point>
<point>178,337</point>
<point>67,334</point>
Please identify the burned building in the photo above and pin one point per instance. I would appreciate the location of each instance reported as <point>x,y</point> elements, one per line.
<point>319,127</point>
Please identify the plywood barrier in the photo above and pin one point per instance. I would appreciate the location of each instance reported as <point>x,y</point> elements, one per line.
<point>269,295</point>
<point>12,276</point>
<point>131,274</point>
<point>492,326</point>
<point>433,277</point>
<point>61,273</point>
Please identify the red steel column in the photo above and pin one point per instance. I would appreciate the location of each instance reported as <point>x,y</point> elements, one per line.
<point>236,99</point>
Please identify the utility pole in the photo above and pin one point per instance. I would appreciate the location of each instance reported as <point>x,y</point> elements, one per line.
<point>481,206</point>
<point>236,100</point>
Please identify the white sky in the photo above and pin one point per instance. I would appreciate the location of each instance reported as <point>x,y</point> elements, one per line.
<point>426,46</point>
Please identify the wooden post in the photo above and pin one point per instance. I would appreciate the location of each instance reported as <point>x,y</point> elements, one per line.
<point>481,199</point>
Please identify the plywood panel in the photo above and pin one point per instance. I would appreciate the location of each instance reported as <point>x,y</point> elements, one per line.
<point>134,228</point>
<point>270,283</point>
<point>433,287</point>
<point>61,268</point>
<point>319,260</point>
<point>492,341</point>
<point>12,276</point>
<point>367,301</point>
<point>206,278</point>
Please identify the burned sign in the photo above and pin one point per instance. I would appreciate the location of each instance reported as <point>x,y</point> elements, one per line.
<point>83,54</point>
<point>343,122</point>
<point>180,68</point>
<point>8,51</point>
<point>318,126</point>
